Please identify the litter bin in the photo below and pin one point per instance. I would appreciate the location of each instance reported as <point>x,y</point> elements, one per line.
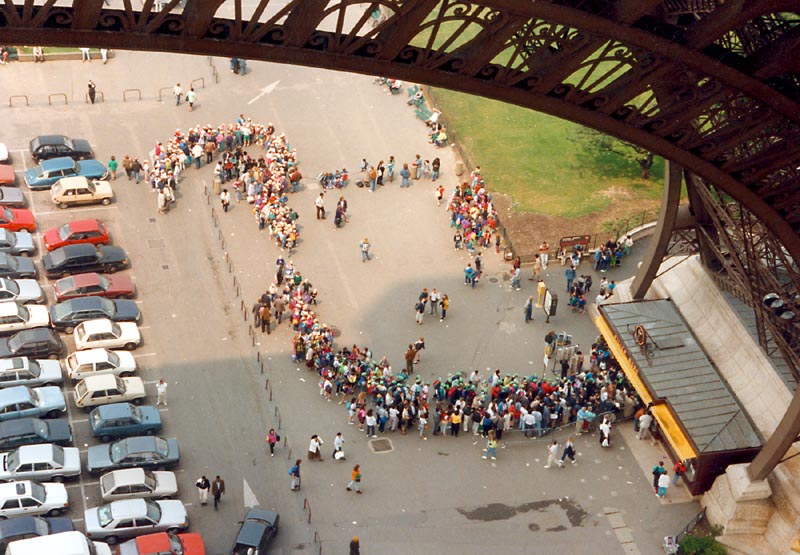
<point>459,167</point>
<point>217,186</point>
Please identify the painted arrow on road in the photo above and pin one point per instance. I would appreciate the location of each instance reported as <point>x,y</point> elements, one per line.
<point>266,90</point>
<point>249,497</point>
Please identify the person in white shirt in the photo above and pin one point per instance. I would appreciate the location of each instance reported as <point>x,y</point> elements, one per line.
<point>338,446</point>
<point>552,452</point>
<point>161,392</point>
<point>177,91</point>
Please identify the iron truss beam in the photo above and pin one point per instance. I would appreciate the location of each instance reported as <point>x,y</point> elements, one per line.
<point>595,62</point>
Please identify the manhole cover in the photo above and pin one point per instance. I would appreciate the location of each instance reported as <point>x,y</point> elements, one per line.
<point>152,220</point>
<point>381,445</point>
<point>156,243</point>
<point>164,267</point>
<point>492,280</point>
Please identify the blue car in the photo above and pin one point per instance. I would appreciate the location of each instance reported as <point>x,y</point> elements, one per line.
<point>22,401</point>
<point>123,420</point>
<point>48,172</point>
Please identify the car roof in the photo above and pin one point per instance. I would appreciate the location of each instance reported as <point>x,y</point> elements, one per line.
<point>83,303</point>
<point>104,381</point>
<point>14,489</point>
<point>14,395</point>
<point>7,308</point>
<point>253,528</point>
<point>97,325</point>
<point>128,508</point>
<point>128,476</point>
<point>92,355</point>
<point>83,280</point>
<point>138,444</point>
<point>81,249</point>
<point>50,139</point>
<point>84,225</point>
<point>73,181</point>
<point>17,426</point>
<point>36,453</point>
<point>62,163</point>
<point>36,334</point>
<point>114,410</point>
<point>27,524</point>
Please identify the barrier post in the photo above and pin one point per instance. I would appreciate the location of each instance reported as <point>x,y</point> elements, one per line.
<point>50,98</point>
<point>12,97</point>
<point>126,91</point>
<point>202,81</point>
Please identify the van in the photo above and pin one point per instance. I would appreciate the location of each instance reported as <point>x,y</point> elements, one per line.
<point>65,543</point>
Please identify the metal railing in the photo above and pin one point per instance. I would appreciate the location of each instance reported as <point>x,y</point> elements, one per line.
<point>12,97</point>
<point>690,525</point>
<point>50,97</point>
<point>126,91</point>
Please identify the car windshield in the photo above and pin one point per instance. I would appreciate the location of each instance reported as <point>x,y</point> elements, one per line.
<point>12,461</point>
<point>37,171</point>
<point>107,306</point>
<point>58,256</point>
<point>16,343</point>
<point>96,418</point>
<point>34,368</point>
<point>64,232</point>
<point>81,389</point>
<point>58,455</point>
<point>66,284</point>
<point>153,511</point>
<point>115,329</point>
<point>104,517</point>
<point>37,492</point>
<point>150,481</point>
<point>107,482</point>
<point>16,363</point>
<point>77,168</point>
<point>41,429</point>
<point>162,447</point>
<point>11,286</point>
<point>175,544</point>
<point>8,215</point>
<point>68,142</point>
<point>57,188</point>
<point>119,451</point>
<point>9,237</point>
<point>90,186</point>
<point>113,358</point>
<point>22,312</point>
<point>62,310</point>
<point>8,261</point>
<point>104,282</point>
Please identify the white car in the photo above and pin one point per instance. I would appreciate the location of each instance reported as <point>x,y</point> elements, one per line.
<point>32,498</point>
<point>98,362</point>
<point>30,372</point>
<point>134,517</point>
<point>15,317</point>
<point>21,290</point>
<point>3,153</point>
<point>103,332</point>
<point>102,390</point>
<point>132,483</point>
<point>40,462</point>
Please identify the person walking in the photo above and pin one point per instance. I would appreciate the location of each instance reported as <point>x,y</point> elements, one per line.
<point>161,392</point>
<point>355,545</point>
<point>663,485</point>
<point>528,306</point>
<point>364,247</point>
<point>491,447</point>
<point>191,96</point>
<point>552,453</point>
<point>319,203</point>
<point>112,167</point>
<point>203,485</point>
<point>338,447</point>
<point>177,92</point>
<point>405,173</point>
<point>225,199</point>
<point>315,448</point>
<point>85,55</point>
<point>419,346</point>
<point>294,472</point>
<point>92,91</point>
<point>264,314</point>
<point>544,254</point>
<point>658,471</point>
<point>104,55</point>
<point>272,439</point>
<point>355,480</point>
<point>679,470</point>
<point>136,170</point>
<point>126,166</point>
<point>410,355</point>
<point>645,421</point>
<point>217,490</point>
<point>569,451</point>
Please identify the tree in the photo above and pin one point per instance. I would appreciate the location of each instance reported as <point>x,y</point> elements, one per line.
<point>598,144</point>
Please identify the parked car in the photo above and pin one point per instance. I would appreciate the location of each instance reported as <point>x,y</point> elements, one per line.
<point>17,219</point>
<point>16,267</point>
<point>94,284</point>
<point>102,390</point>
<point>257,530</point>
<point>78,259</point>
<point>119,420</point>
<point>21,290</point>
<point>40,462</point>
<point>141,451</point>
<point>4,157</point>
<point>104,333</point>
<point>10,196</point>
<point>7,175</point>
<point>74,191</point>
<point>21,402</point>
<point>45,147</point>
<point>65,543</point>
<point>30,431</point>
<point>25,527</point>
<point>48,172</point>
<point>97,362</point>
<point>16,316</point>
<point>35,342</point>
<point>66,315</point>
<point>32,498</point>
<point>133,483</point>
<point>18,243</point>
<point>163,542</point>
<point>30,372</point>
<point>132,517</point>
<point>76,232</point>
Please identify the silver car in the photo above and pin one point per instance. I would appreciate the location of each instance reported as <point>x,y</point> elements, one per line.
<point>21,290</point>
<point>30,372</point>
<point>11,197</point>
<point>135,483</point>
<point>40,462</point>
<point>133,517</point>
<point>18,243</point>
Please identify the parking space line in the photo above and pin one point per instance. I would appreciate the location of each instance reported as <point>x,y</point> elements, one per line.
<point>144,327</point>
<point>163,410</point>
<point>145,354</point>
<point>74,210</point>
<point>80,420</point>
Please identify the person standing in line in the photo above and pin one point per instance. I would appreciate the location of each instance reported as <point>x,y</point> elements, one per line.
<point>319,203</point>
<point>225,199</point>
<point>85,55</point>
<point>177,92</point>
<point>390,169</point>
<point>161,392</point>
<point>127,164</point>
<point>528,306</point>
<point>104,55</point>
<point>355,480</point>
<point>404,175</point>
<point>420,311</point>
<point>372,422</point>
<point>552,453</point>
<point>203,485</point>
<point>294,472</point>
<point>416,167</point>
<point>112,167</point>
<point>645,421</point>
<point>92,91</point>
<point>423,424</point>
<point>191,96</point>
<point>658,471</point>
<point>217,490</point>
<point>445,304</point>
<point>663,485</point>
<point>569,273</point>
<point>410,355</point>
<point>264,314</point>
<point>569,451</point>
<point>419,345</point>
<point>364,247</point>
<point>435,167</point>
<point>272,439</point>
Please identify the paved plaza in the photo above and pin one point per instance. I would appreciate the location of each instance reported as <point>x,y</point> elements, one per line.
<point>434,496</point>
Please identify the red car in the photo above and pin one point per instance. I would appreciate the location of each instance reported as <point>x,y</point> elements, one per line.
<point>163,542</point>
<point>17,219</point>
<point>7,175</point>
<point>92,284</point>
<point>79,231</point>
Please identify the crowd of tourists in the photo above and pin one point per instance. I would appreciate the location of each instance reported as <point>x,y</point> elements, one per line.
<point>473,217</point>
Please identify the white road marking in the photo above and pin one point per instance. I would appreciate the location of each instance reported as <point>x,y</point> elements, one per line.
<point>249,497</point>
<point>145,355</point>
<point>74,210</point>
<point>266,90</point>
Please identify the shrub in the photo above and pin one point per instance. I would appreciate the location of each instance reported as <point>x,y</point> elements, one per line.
<point>701,545</point>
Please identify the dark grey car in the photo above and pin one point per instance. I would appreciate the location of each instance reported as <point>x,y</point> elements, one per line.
<point>65,316</point>
<point>16,267</point>
<point>32,431</point>
<point>12,197</point>
<point>25,527</point>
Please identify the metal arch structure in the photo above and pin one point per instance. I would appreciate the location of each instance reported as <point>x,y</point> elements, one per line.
<point>711,85</point>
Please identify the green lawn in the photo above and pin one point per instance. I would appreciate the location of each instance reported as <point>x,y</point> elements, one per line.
<point>542,161</point>
<point>53,49</point>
